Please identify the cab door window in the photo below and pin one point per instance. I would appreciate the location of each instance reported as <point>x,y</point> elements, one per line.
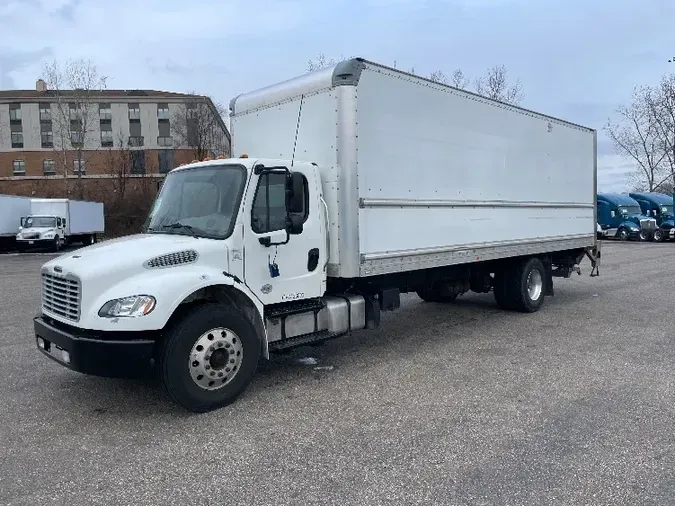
<point>269,204</point>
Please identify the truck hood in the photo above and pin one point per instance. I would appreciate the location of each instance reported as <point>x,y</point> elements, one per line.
<point>36,230</point>
<point>125,256</point>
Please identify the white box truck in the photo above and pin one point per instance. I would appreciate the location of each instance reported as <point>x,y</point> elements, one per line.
<point>59,222</point>
<point>353,184</point>
<point>12,209</point>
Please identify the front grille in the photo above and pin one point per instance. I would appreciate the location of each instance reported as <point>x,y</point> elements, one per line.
<point>31,236</point>
<point>648,224</point>
<point>61,296</point>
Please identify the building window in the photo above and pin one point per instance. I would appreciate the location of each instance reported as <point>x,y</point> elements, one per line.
<point>104,112</point>
<point>48,167</point>
<point>17,139</point>
<point>134,111</point>
<point>165,160</point>
<point>45,112</point>
<point>76,137</point>
<point>137,162</point>
<point>74,112</point>
<point>79,167</point>
<point>165,142</point>
<point>162,111</point>
<point>15,112</point>
<point>47,139</point>
<point>106,138</point>
<point>19,167</point>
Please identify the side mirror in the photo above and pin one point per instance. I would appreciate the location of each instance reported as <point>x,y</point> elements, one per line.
<point>294,224</point>
<point>23,222</point>
<point>295,193</point>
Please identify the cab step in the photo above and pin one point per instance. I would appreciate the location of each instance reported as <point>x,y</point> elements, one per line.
<point>303,340</point>
<point>290,308</point>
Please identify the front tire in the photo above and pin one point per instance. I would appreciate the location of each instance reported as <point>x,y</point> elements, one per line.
<point>209,357</point>
<point>657,236</point>
<point>622,234</point>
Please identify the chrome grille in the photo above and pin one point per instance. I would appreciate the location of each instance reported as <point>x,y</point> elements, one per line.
<point>648,224</point>
<point>31,236</point>
<point>61,295</point>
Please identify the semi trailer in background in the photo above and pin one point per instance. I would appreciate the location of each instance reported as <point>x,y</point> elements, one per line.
<point>12,209</point>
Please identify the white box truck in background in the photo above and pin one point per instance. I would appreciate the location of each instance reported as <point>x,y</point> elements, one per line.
<point>361,183</point>
<point>59,222</point>
<point>12,209</point>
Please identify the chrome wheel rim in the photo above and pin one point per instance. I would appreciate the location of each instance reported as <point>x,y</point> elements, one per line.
<point>215,358</point>
<point>535,284</point>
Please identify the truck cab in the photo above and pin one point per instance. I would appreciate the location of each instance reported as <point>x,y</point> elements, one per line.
<point>620,216</point>
<point>40,231</point>
<point>660,207</point>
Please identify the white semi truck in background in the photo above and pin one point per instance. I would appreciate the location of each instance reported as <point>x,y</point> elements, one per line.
<point>55,223</point>
<point>353,184</point>
<point>12,209</point>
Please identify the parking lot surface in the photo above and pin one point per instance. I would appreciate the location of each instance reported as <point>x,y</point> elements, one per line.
<point>444,404</point>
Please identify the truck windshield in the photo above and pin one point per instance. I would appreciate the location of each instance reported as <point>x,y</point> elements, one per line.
<point>40,221</point>
<point>202,202</point>
<point>630,210</point>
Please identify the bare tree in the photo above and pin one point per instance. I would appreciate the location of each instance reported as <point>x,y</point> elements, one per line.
<point>495,85</point>
<point>635,135</point>
<point>118,165</point>
<point>661,104</point>
<point>74,89</point>
<point>438,77</point>
<point>459,80</point>
<point>198,124</point>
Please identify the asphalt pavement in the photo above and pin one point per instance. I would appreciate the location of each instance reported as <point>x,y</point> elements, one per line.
<point>444,404</point>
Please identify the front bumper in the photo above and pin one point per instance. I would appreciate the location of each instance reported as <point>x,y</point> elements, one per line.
<point>35,243</point>
<point>98,354</point>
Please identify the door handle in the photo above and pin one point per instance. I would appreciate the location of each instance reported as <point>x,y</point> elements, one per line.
<point>312,259</point>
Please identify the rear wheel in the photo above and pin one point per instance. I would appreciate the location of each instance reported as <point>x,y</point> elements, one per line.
<point>522,287</point>
<point>209,357</point>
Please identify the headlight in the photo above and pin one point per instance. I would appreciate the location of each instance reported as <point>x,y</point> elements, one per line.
<point>48,235</point>
<point>132,306</point>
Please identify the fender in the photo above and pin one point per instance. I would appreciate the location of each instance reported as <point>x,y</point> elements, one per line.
<point>633,227</point>
<point>667,224</point>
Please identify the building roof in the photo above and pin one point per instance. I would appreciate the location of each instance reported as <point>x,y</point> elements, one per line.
<point>46,95</point>
<point>618,199</point>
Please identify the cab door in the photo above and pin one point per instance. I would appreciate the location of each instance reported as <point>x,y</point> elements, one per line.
<point>282,267</point>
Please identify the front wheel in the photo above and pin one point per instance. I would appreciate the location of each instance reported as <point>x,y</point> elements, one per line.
<point>643,236</point>
<point>622,234</point>
<point>209,357</point>
<point>657,236</point>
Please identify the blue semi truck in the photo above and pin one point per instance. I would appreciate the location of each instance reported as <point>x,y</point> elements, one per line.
<point>620,216</point>
<point>660,207</point>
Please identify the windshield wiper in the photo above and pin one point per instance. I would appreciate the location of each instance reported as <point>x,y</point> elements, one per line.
<point>183,226</point>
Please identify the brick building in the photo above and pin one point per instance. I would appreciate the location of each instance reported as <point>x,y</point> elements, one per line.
<point>52,140</point>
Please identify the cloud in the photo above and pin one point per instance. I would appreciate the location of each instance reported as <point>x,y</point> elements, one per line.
<point>576,59</point>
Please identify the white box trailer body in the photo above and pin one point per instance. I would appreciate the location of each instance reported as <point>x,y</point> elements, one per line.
<point>82,217</point>
<point>12,209</point>
<point>418,174</point>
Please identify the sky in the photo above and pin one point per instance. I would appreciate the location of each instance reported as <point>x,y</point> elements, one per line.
<point>576,59</point>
